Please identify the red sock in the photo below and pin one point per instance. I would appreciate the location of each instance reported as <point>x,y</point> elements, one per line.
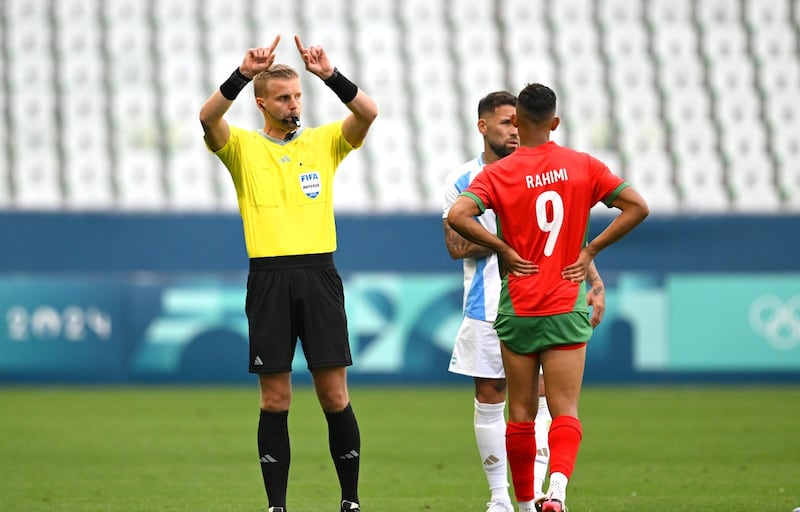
<point>565,438</point>
<point>521,452</point>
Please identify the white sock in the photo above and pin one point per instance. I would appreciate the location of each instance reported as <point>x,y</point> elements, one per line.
<point>541,431</point>
<point>527,506</point>
<point>558,487</point>
<point>490,433</point>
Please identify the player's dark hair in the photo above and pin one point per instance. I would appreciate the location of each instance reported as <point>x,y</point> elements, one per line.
<point>537,102</point>
<point>491,101</point>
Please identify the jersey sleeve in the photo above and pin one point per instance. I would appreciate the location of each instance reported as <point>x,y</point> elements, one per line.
<point>606,184</point>
<point>480,190</point>
<point>340,148</point>
<point>450,191</point>
<point>230,153</point>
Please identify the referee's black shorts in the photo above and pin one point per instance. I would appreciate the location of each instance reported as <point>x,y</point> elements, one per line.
<point>291,297</point>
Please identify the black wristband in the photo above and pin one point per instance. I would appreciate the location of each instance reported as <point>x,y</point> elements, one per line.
<point>231,87</point>
<point>344,88</point>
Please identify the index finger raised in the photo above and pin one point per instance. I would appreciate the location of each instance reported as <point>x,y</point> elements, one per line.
<point>274,43</point>
<point>299,44</point>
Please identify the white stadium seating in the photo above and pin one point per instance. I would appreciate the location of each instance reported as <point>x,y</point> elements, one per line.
<point>697,104</point>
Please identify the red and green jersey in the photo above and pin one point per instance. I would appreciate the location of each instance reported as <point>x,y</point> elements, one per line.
<point>542,197</point>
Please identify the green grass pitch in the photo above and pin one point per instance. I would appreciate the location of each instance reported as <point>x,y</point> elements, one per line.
<point>645,449</point>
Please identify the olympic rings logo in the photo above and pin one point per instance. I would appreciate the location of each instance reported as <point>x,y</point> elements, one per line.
<point>776,320</point>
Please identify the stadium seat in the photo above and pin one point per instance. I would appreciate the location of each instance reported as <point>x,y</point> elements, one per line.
<point>36,179</point>
<point>733,112</point>
<point>267,19</point>
<point>584,110</point>
<point>621,15</point>
<point>421,14</point>
<point>644,135</point>
<point>567,12</point>
<point>336,43</point>
<point>80,112</point>
<point>351,190</point>
<point>517,14</point>
<point>676,46</point>
<point>468,13</point>
<point>238,14</point>
<point>752,182</point>
<point>725,47</point>
<point>779,77</point>
<point>668,13</point>
<point>32,117</point>
<point>225,48</point>
<point>701,187</point>
<point>687,108</point>
<point>767,15</point>
<point>134,121</point>
<point>732,77</point>
<point>650,173</point>
<point>673,75</point>
<point>88,181</point>
<point>579,43</point>
<point>718,12</point>
<point>689,141</point>
<point>130,61</point>
<point>626,46</point>
<point>739,143</point>
<point>782,110</point>
<point>125,10</point>
<point>427,46</point>
<point>393,169</point>
<point>528,50</point>
<point>773,42</point>
<point>788,178</point>
<point>189,182</point>
<point>785,142</point>
<point>432,78</point>
<point>140,181</point>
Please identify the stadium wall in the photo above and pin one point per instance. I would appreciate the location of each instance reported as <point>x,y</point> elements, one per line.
<point>159,298</point>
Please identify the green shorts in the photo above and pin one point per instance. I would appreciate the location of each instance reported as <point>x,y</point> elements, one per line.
<point>531,334</point>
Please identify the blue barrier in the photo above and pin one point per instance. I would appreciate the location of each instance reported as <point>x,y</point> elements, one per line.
<point>159,298</point>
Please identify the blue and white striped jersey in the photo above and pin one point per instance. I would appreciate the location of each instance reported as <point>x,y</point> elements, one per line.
<point>481,275</point>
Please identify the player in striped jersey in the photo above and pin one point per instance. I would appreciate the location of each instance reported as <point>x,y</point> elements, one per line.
<point>542,195</point>
<point>476,352</point>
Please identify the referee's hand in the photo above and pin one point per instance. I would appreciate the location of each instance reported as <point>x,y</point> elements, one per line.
<point>315,58</point>
<point>259,59</point>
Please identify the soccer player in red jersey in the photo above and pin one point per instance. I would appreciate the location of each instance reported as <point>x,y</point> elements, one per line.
<point>542,195</point>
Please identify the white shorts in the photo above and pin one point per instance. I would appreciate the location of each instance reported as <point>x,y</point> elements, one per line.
<point>476,352</point>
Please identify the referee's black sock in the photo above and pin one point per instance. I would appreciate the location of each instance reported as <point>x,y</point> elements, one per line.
<point>273,451</point>
<point>344,440</point>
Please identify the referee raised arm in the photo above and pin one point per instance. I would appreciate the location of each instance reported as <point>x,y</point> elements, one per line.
<point>284,174</point>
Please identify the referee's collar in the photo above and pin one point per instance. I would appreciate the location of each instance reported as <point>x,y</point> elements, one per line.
<point>295,134</point>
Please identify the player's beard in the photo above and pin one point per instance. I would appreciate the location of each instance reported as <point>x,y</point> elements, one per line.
<point>502,150</point>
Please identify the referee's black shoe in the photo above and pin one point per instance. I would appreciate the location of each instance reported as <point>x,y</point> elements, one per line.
<point>349,506</point>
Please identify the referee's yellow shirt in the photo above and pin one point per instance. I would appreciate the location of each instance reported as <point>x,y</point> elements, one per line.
<point>285,189</point>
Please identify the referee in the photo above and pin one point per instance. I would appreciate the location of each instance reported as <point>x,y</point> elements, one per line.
<point>283,175</point>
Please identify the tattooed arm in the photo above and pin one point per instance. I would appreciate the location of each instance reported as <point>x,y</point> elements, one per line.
<point>460,248</point>
<point>596,295</point>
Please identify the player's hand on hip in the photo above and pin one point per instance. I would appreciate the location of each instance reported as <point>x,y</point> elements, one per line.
<point>578,270</point>
<point>259,59</point>
<point>516,265</point>
<point>315,59</point>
